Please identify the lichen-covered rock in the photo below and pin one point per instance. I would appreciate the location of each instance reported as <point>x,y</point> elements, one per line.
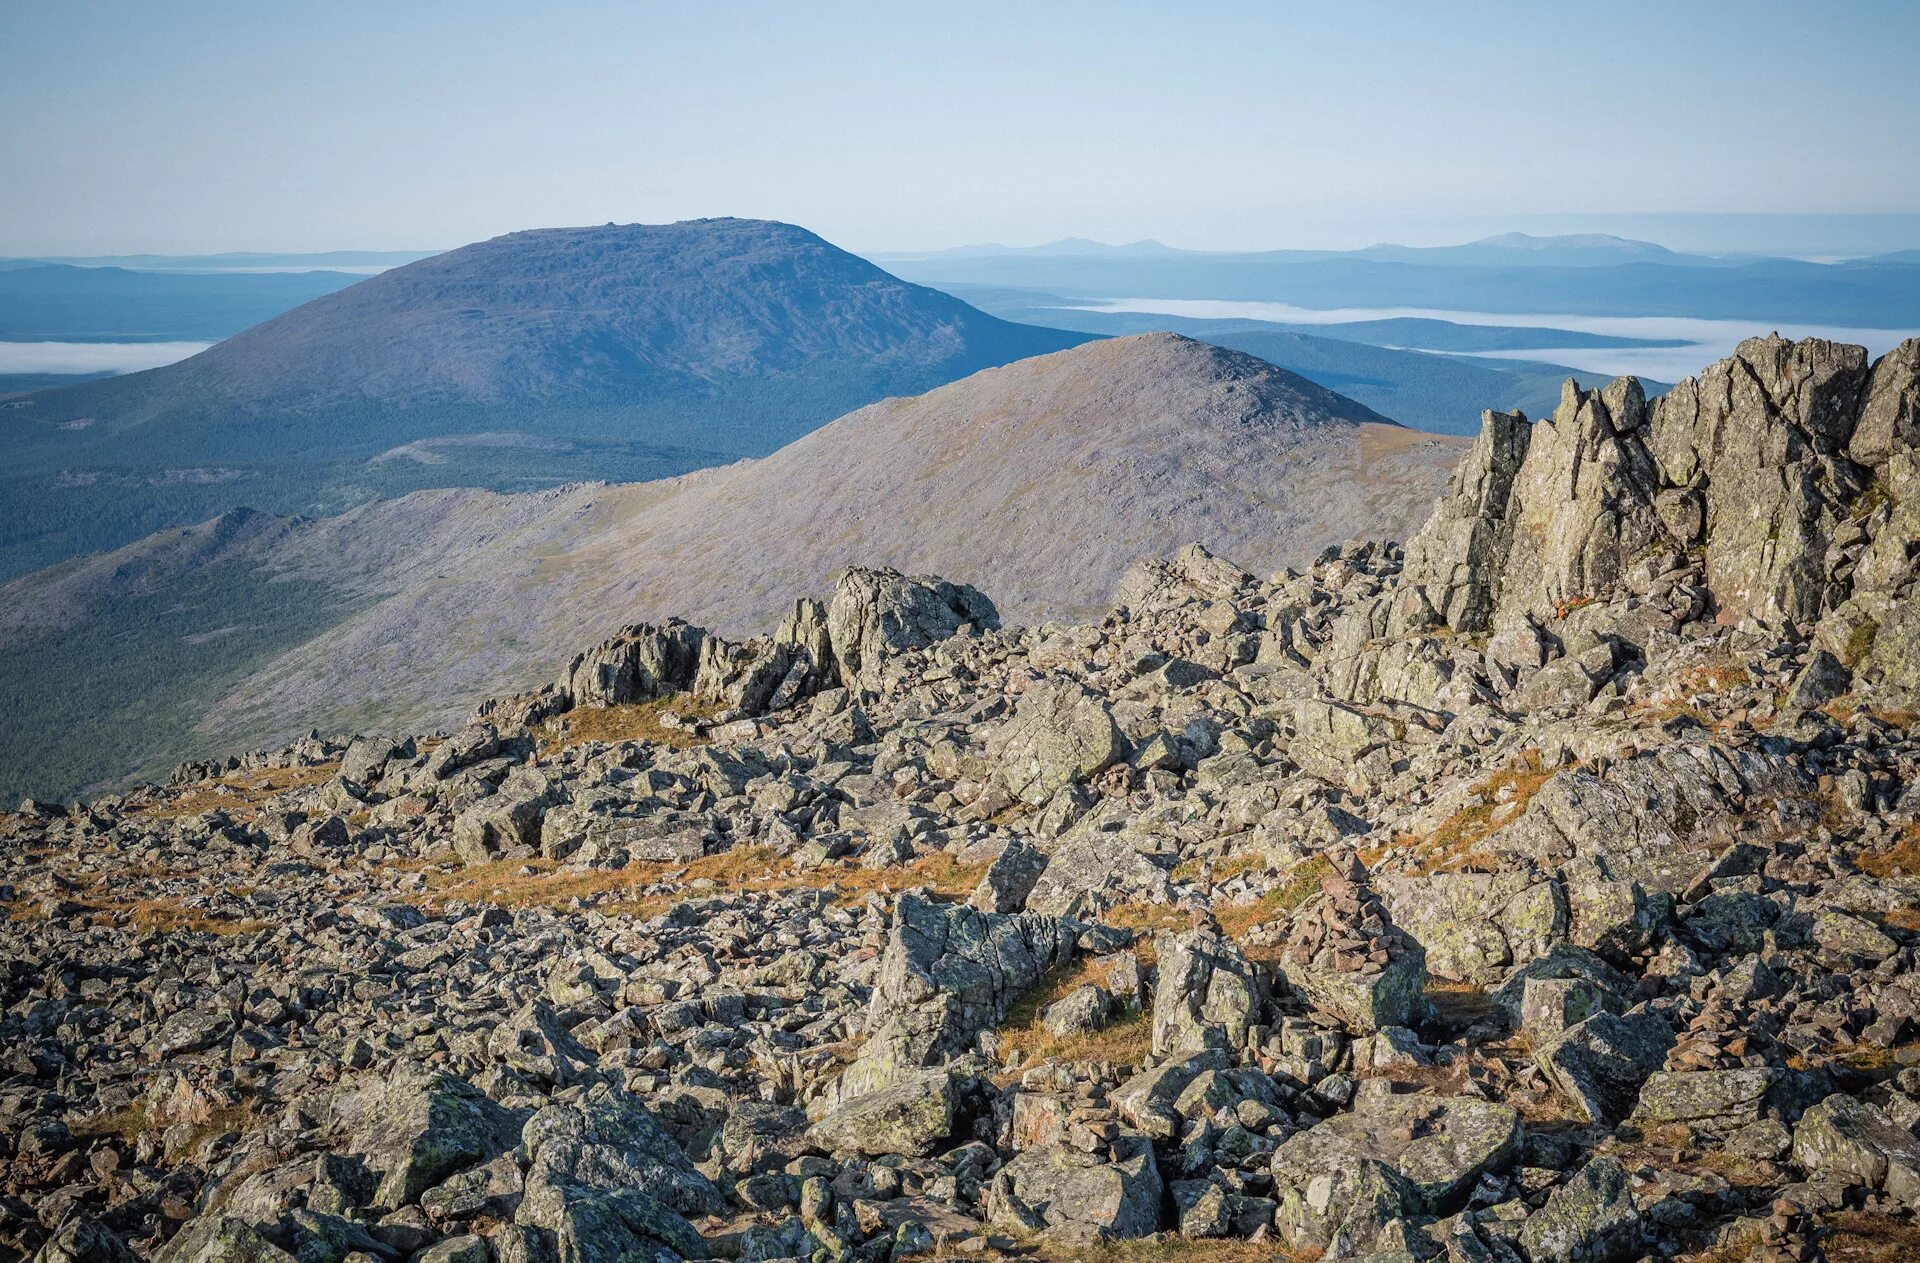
<point>1600,1064</point>
<point>1710,1100</point>
<point>1848,1139</point>
<point>1061,733</point>
<point>1589,1219</point>
<point>1147,1099</point>
<point>1208,995</point>
<point>414,1127</point>
<point>221,1239</point>
<point>639,664</point>
<point>875,614</point>
<point>1437,1149</point>
<point>947,974</point>
<point>912,1115</point>
<point>1009,879</point>
<point>1071,1195</point>
<point>609,1140</point>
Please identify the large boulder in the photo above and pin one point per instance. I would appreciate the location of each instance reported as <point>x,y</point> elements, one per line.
<point>639,664</point>
<point>948,972</point>
<point>1600,1064</point>
<point>1848,1139</point>
<point>218,1239</point>
<point>1061,733</point>
<point>1208,994</point>
<point>1589,1219</point>
<point>1432,1151</point>
<point>1072,1195</point>
<point>913,1115</point>
<point>1147,1100</point>
<point>414,1126</point>
<point>877,613</point>
<point>608,1140</point>
<point>1707,1100</point>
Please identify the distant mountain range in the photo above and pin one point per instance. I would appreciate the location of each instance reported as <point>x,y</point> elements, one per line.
<point>1367,360</point>
<point>529,360</point>
<point>1505,249</point>
<point>1582,275</point>
<point>1041,480</point>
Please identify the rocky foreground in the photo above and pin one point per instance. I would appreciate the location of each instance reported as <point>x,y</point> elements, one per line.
<point>1543,891</point>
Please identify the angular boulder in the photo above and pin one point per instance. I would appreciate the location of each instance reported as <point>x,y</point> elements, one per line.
<point>876,614</point>
<point>947,973</point>
<point>912,1115</point>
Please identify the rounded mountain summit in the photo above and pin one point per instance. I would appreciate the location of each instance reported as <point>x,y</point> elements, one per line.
<point>731,336</point>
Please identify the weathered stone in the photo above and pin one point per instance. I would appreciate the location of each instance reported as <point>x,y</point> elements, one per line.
<point>1436,1148</point>
<point>1061,733</point>
<point>875,614</point>
<point>912,1115</point>
<point>414,1127</point>
<point>1710,1100</point>
<point>1589,1219</point>
<point>1009,878</point>
<point>1600,1064</point>
<point>1848,1139</point>
<point>1074,1196</point>
<point>1208,995</point>
<point>947,974</point>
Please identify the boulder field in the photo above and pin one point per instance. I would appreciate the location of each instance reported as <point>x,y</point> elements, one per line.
<point>1542,889</point>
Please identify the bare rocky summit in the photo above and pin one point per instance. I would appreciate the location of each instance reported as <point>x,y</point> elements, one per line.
<point>1541,890</point>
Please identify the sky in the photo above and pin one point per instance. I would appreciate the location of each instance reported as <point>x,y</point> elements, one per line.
<point>199,125</point>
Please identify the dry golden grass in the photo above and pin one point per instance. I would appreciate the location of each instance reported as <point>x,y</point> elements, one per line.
<point>1223,868</point>
<point>546,883</point>
<point>171,916</point>
<point>632,721</point>
<point>1302,882</point>
<point>1124,1041</point>
<point>239,794</point>
<point>1902,859</point>
<point>1860,1237</point>
<point>1167,1247</point>
<point>204,1123</point>
<point>1458,844</point>
<point>156,915</point>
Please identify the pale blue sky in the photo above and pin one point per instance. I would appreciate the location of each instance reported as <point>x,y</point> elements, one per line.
<point>198,125</point>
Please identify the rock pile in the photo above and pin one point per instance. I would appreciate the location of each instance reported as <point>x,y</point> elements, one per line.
<point>1543,890</point>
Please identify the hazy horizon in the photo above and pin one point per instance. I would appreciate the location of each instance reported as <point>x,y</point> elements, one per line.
<point>427,126</point>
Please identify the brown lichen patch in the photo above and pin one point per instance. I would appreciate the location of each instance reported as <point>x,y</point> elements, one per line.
<point>239,794</point>
<point>630,721</point>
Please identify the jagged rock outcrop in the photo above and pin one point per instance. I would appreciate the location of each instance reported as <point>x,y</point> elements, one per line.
<point>875,614</point>
<point>947,974</point>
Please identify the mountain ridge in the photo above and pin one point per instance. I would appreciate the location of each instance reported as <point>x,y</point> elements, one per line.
<point>1046,477</point>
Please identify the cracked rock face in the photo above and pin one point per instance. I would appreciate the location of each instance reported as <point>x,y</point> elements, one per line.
<point>1546,890</point>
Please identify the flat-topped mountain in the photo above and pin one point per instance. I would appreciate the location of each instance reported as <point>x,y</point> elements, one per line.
<point>1043,479</point>
<point>583,314</point>
<point>620,352</point>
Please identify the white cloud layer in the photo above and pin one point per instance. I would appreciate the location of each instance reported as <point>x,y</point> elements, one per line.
<point>92,357</point>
